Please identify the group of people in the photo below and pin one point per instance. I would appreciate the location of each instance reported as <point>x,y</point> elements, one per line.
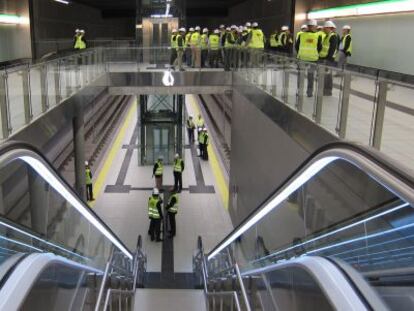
<point>79,41</point>
<point>232,46</point>
<point>202,135</point>
<point>322,44</point>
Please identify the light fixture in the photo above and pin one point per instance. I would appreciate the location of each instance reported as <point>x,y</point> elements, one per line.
<point>167,9</point>
<point>50,178</point>
<point>139,26</point>
<point>14,19</point>
<point>372,8</point>
<point>62,1</point>
<point>274,202</point>
<point>168,78</point>
<point>160,15</point>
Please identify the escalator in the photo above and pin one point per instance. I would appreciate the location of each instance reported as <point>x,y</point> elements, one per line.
<point>296,251</point>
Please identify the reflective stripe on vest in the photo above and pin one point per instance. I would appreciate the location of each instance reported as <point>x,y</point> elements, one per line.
<point>349,50</point>
<point>203,43</point>
<point>308,48</point>
<point>257,41</point>
<point>174,41</point>
<point>152,208</point>
<point>274,43</point>
<point>195,39</point>
<point>326,44</point>
<point>178,165</point>
<point>88,179</point>
<point>160,169</point>
<point>214,41</point>
<point>298,34</point>
<point>174,209</point>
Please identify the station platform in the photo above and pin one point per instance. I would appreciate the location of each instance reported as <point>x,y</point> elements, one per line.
<point>122,189</point>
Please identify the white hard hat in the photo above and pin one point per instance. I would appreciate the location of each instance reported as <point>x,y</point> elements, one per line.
<point>248,24</point>
<point>155,191</point>
<point>182,29</point>
<point>329,24</point>
<point>205,30</point>
<point>228,29</point>
<point>177,155</point>
<point>347,27</point>
<point>83,31</point>
<point>233,27</point>
<point>240,29</point>
<point>204,129</point>
<point>191,29</point>
<point>255,24</point>
<point>319,27</point>
<point>303,27</point>
<point>284,28</point>
<point>174,30</point>
<point>216,31</point>
<point>77,30</point>
<point>86,163</point>
<point>160,157</point>
<point>197,28</point>
<point>222,26</point>
<point>312,22</point>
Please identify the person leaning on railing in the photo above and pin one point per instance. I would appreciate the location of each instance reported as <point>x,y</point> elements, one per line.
<point>79,40</point>
<point>256,44</point>
<point>308,45</point>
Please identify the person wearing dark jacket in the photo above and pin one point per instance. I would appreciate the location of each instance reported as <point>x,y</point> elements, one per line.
<point>178,173</point>
<point>155,215</point>
<point>345,46</point>
<point>328,54</point>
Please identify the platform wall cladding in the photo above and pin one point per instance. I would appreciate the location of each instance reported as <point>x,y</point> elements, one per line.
<point>15,39</point>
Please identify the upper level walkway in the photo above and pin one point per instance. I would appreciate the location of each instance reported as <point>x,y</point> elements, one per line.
<point>367,109</point>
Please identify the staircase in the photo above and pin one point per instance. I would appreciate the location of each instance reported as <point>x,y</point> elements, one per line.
<point>169,300</point>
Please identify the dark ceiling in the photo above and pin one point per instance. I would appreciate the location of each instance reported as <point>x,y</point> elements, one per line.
<point>124,8</point>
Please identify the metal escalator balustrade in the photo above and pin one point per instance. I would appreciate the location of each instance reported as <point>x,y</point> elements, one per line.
<point>366,224</point>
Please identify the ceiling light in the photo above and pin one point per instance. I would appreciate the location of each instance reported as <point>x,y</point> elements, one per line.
<point>14,19</point>
<point>372,8</point>
<point>62,1</point>
<point>139,26</point>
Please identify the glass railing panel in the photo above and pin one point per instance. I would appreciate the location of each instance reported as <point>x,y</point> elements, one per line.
<point>36,217</point>
<point>16,97</point>
<point>398,126</point>
<point>361,108</point>
<point>36,90</point>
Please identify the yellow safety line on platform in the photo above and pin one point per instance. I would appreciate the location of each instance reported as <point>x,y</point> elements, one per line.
<point>116,146</point>
<point>215,166</point>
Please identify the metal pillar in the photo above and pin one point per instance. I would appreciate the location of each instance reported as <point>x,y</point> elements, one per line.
<point>344,105</point>
<point>4,106</point>
<point>179,124</point>
<point>285,91</point>
<point>43,87</point>
<point>79,150</point>
<point>26,95</point>
<point>317,111</point>
<point>379,114</point>
<point>57,83</point>
<point>39,202</point>
<point>301,86</point>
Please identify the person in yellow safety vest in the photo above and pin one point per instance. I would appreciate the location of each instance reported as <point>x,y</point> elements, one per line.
<point>88,182</point>
<point>244,52</point>
<point>80,42</point>
<point>190,129</point>
<point>256,43</point>
<point>173,54</point>
<point>321,32</point>
<point>180,42</point>
<point>200,122</point>
<point>158,171</point>
<point>172,208</point>
<point>285,40</point>
<point>204,141</point>
<point>214,49</point>
<point>204,47</point>
<point>345,46</point>
<point>188,47</point>
<point>229,47</point>
<point>238,46</point>
<point>178,173</point>
<point>155,215</point>
<point>328,54</point>
<point>195,42</point>
<point>308,45</point>
<point>200,140</point>
<point>274,41</point>
<point>303,29</point>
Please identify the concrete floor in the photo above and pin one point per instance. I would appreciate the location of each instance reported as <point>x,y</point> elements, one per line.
<point>200,214</point>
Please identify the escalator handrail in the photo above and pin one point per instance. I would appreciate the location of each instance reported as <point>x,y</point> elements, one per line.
<point>333,281</point>
<point>378,166</point>
<point>14,150</point>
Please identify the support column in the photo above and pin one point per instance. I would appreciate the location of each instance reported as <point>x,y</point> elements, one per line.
<point>317,109</point>
<point>301,86</point>
<point>43,87</point>
<point>4,107</point>
<point>180,104</point>
<point>343,117</point>
<point>79,150</point>
<point>379,114</point>
<point>26,95</point>
<point>39,202</point>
